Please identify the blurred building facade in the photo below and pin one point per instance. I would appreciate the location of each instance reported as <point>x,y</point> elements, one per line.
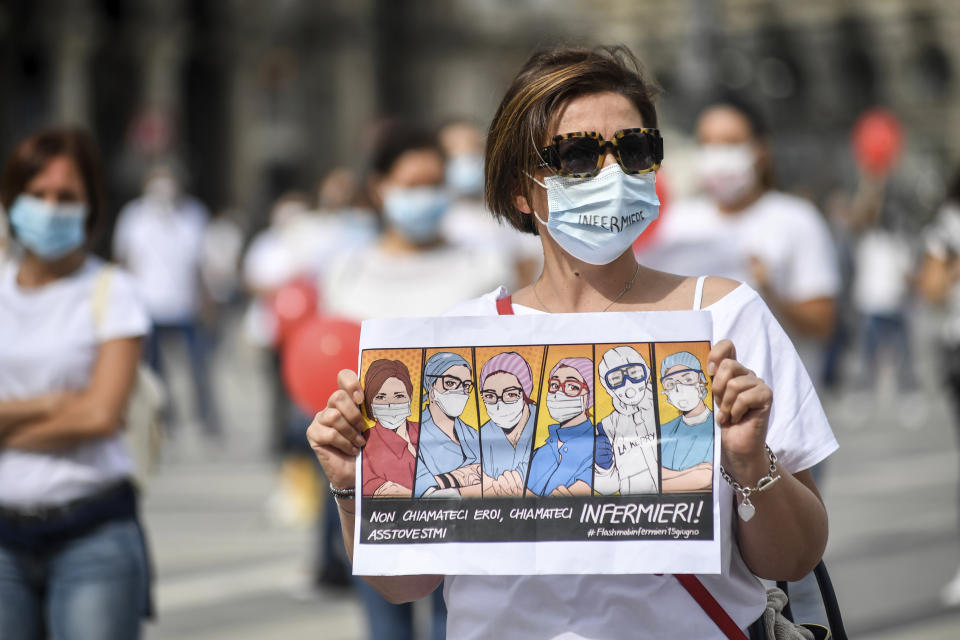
<point>254,98</point>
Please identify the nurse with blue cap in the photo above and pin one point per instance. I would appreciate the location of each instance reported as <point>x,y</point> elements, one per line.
<point>686,442</point>
<point>448,462</point>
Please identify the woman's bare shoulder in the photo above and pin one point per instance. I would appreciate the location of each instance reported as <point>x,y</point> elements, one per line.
<point>716,288</point>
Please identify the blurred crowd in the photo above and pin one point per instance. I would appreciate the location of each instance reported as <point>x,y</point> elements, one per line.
<point>410,236</point>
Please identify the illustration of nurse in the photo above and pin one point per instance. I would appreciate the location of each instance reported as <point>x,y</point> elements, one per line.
<point>449,457</point>
<point>686,442</point>
<point>506,439</point>
<point>389,457</point>
<point>563,465</point>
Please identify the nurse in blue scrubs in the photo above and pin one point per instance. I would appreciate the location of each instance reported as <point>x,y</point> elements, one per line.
<point>448,462</point>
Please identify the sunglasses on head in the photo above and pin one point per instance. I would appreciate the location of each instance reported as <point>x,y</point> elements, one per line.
<point>580,154</point>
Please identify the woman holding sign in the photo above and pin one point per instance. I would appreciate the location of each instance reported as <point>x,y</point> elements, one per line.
<point>571,156</point>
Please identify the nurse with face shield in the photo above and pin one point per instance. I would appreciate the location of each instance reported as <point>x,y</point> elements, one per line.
<point>506,439</point>
<point>626,454</point>
<point>449,458</point>
<point>686,441</point>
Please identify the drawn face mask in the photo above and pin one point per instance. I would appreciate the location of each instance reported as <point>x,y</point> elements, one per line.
<point>392,416</point>
<point>631,393</point>
<point>505,415</point>
<point>562,407</point>
<point>451,403</point>
<point>596,219</point>
<point>685,396</point>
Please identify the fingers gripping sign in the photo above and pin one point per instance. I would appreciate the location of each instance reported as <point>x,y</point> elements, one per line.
<point>742,402</point>
<point>336,433</point>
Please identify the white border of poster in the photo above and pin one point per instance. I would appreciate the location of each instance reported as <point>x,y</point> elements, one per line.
<point>603,549</point>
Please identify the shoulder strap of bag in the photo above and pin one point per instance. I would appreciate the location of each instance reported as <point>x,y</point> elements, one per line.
<point>505,306</point>
<point>830,604</point>
<point>101,295</point>
<point>710,606</point>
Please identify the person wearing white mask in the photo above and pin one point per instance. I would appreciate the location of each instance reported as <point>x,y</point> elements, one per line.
<point>626,460</point>
<point>686,442</point>
<point>506,439</point>
<point>741,227</point>
<point>572,116</point>
<point>449,454</point>
<point>563,465</point>
<point>388,470</point>
<point>159,238</point>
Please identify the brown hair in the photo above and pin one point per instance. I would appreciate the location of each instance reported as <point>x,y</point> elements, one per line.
<point>379,372</point>
<point>547,81</point>
<point>32,155</point>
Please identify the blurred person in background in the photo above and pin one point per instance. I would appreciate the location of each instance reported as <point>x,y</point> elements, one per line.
<point>284,265</point>
<point>468,222</point>
<point>73,563</point>
<point>412,270</point>
<point>940,284</point>
<point>160,238</point>
<point>883,271</point>
<point>220,258</point>
<point>741,227</point>
<point>279,270</point>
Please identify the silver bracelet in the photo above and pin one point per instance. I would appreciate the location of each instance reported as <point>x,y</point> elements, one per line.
<point>746,510</point>
<point>347,494</point>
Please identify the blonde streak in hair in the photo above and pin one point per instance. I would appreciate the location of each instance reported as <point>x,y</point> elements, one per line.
<point>513,114</point>
<point>520,105</point>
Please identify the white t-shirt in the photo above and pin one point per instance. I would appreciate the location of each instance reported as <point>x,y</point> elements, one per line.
<point>306,244</point>
<point>785,232</point>
<point>648,606</point>
<point>469,223</point>
<point>883,263</point>
<point>162,247</point>
<point>370,283</point>
<point>50,343</point>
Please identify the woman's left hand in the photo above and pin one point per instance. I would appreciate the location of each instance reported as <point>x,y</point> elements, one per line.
<point>741,404</point>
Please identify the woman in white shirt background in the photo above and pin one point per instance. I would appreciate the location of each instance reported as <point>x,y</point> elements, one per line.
<point>741,226</point>
<point>410,269</point>
<point>73,563</point>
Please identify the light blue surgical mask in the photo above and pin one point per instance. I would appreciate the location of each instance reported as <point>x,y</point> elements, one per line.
<point>596,219</point>
<point>416,212</point>
<point>465,173</point>
<point>49,231</point>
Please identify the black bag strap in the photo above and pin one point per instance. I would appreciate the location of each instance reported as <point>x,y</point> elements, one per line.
<point>830,604</point>
<point>829,597</point>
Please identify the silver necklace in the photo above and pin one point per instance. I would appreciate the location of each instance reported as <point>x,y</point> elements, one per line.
<point>626,287</point>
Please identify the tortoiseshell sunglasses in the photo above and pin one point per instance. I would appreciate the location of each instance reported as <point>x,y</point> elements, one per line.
<point>580,154</point>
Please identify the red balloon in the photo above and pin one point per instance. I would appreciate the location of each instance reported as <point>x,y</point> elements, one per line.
<point>877,141</point>
<point>650,233</point>
<point>314,354</point>
<point>293,304</point>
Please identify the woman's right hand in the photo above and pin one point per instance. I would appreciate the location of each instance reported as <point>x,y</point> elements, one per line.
<point>336,433</point>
